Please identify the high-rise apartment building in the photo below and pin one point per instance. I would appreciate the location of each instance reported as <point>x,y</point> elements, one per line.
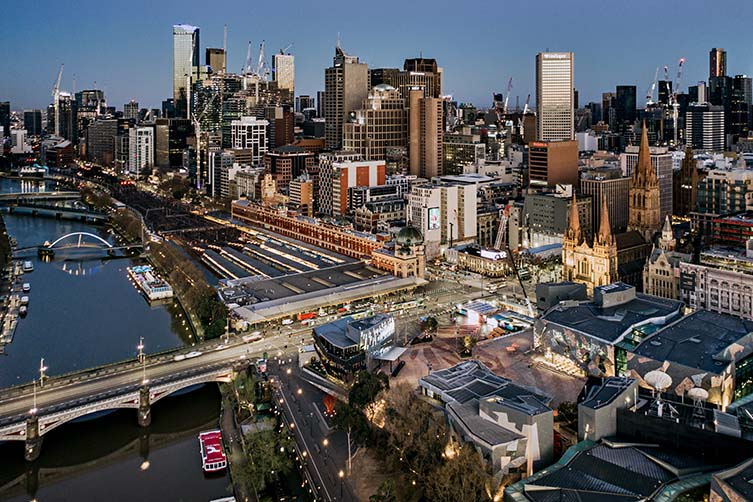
<point>250,134</point>
<point>283,71</point>
<point>215,59</point>
<point>425,134</point>
<point>704,127</point>
<point>131,110</point>
<point>554,96</point>
<point>346,85</point>
<point>141,149</point>
<point>717,62</point>
<point>379,125</point>
<point>185,59</point>
<point>350,174</point>
<point>326,173</point>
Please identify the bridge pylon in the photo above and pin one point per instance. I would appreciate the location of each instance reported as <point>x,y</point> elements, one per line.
<point>145,410</point>
<point>33,439</point>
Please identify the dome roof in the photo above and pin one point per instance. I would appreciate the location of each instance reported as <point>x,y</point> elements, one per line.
<point>409,236</point>
<point>383,87</point>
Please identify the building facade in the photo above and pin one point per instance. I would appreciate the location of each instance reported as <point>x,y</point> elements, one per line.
<point>661,162</point>
<point>250,133</point>
<point>141,149</point>
<point>553,163</point>
<point>346,86</point>
<point>381,124</point>
<point>185,59</point>
<point>425,134</point>
<point>704,127</point>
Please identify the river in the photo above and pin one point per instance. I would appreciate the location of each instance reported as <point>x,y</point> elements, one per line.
<point>84,312</point>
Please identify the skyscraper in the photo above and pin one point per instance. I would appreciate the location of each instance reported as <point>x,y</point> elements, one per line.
<point>380,124</point>
<point>625,109</point>
<point>425,134</point>
<point>33,122</point>
<point>704,127</point>
<point>131,110</point>
<point>644,200</point>
<point>283,71</point>
<point>554,96</point>
<point>5,117</point>
<point>215,58</point>
<point>346,85</point>
<point>185,58</point>
<point>717,62</point>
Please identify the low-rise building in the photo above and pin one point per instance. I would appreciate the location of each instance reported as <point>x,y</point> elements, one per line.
<point>503,420</point>
<point>597,413</point>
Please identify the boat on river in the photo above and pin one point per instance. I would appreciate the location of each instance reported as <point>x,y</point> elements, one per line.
<point>213,457</point>
<point>28,266</point>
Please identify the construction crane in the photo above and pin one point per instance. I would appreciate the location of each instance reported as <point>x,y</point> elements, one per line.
<point>56,100</point>
<point>500,243</point>
<point>262,70</point>
<point>673,98</point>
<point>283,51</point>
<point>507,97</point>
<point>650,91</point>
<point>247,67</point>
<point>525,108</point>
<point>224,51</point>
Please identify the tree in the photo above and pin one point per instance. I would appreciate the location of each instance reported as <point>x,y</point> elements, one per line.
<point>567,411</point>
<point>385,493</point>
<point>269,458</point>
<point>462,478</point>
<point>429,324</point>
<point>366,388</point>
<point>348,418</point>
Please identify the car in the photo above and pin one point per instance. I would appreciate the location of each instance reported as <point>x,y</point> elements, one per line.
<point>192,354</point>
<point>220,347</point>
<point>287,322</point>
<point>179,357</point>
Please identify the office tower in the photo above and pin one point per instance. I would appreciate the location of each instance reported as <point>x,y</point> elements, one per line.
<point>33,122</point>
<point>287,163</point>
<point>168,108</point>
<point>685,193</point>
<point>302,194</point>
<point>717,62</point>
<point>609,183</point>
<point>5,117</point>
<point>698,93</point>
<point>608,112</point>
<point>625,106</point>
<point>281,130</point>
<point>739,109</point>
<point>461,150</point>
<point>704,127</point>
<point>644,215</point>
<point>283,71</point>
<point>220,164</point>
<point>320,102</point>
<point>552,163</point>
<point>554,96</point>
<point>68,127</point>
<point>215,59</point>
<point>350,174</point>
<point>661,161</point>
<point>131,110</point>
<point>304,102</point>
<point>378,125</point>
<point>425,134</point>
<point>346,85</point>
<point>323,189</point>
<point>427,66</point>
<point>100,141</point>
<point>185,58</point>
<point>664,89</point>
<point>250,134</point>
<point>141,149</point>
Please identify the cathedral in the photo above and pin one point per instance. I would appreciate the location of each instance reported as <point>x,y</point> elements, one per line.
<point>610,258</point>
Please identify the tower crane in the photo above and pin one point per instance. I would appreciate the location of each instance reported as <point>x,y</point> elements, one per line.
<point>247,67</point>
<point>673,98</point>
<point>525,108</point>
<point>224,51</point>
<point>507,97</point>
<point>56,100</point>
<point>650,91</point>
<point>262,70</point>
<point>283,51</point>
<point>501,242</point>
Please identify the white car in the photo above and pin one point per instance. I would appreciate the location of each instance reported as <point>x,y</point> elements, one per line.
<point>193,354</point>
<point>179,357</point>
<point>287,322</point>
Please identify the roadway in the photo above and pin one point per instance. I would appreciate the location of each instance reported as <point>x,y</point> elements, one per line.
<point>62,392</point>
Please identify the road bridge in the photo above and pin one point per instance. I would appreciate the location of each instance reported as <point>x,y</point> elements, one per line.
<point>7,198</point>
<point>28,412</point>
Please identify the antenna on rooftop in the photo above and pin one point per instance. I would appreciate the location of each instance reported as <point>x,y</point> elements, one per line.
<point>659,382</point>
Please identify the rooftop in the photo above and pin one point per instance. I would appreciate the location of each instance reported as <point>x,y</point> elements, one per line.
<point>486,430</point>
<point>609,324</point>
<point>605,394</point>
<point>473,380</point>
<point>739,478</point>
<point>703,340</point>
<point>346,332</point>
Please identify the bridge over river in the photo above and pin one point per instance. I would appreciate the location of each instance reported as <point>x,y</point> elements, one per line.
<point>29,411</point>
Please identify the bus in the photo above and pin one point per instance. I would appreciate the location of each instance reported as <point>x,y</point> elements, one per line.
<point>306,315</point>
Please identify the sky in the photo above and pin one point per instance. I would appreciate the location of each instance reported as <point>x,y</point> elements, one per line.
<point>126,47</point>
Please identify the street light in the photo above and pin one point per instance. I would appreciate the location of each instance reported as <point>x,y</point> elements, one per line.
<point>341,475</point>
<point>33,410</point>
<point>142,359</point>
<point>325,442</point>
<point>42,375</point>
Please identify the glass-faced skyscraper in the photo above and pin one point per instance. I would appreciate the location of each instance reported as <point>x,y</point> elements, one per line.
<point>185,58</point>
<point>554,96</point>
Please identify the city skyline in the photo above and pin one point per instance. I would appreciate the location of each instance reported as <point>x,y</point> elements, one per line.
<point>476,62</point>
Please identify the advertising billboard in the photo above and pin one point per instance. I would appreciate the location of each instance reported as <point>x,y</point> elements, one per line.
<point>433,218</point>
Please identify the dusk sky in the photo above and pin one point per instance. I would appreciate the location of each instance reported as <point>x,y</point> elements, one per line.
<point>126,47</point>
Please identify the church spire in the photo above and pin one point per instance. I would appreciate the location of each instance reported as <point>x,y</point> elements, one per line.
<point>605,229</point>
<point>643,172</point>
<point>573,231</point>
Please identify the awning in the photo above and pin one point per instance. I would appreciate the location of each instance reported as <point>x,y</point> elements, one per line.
<point>390,354</point>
